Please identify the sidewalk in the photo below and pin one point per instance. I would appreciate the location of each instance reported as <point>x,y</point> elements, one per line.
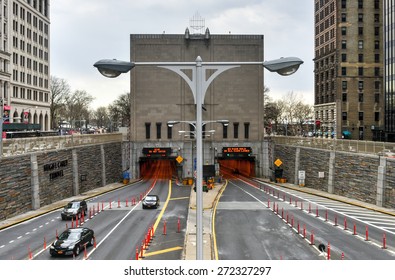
<point>209,200</point>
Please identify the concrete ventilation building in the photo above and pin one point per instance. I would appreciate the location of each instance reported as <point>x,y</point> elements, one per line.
<point>159,95</point>
<point>389,69</point>
<point>349,97</point>
<point>24,61</point>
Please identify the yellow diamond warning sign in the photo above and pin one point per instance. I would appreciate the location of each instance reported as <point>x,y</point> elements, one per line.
<point>179,159</point>
<point>278,162</point>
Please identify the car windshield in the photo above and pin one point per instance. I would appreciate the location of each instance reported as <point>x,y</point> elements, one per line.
<point>67,235</point>
<point>150,198</point>
<point>73,205</point>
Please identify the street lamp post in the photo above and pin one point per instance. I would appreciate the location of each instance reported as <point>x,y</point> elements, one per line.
<point>198,85</point>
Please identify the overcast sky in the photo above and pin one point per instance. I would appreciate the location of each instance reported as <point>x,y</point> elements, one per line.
<point>83,32</point>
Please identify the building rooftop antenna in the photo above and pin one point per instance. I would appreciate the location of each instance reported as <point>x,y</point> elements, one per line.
<point>197,24</point>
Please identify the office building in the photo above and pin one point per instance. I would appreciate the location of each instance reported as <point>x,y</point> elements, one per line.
<point>25,62</point>
<point>348,69</point>
<point>389,69</point>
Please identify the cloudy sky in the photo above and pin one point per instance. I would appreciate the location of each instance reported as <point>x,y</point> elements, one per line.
<point>83,32</point>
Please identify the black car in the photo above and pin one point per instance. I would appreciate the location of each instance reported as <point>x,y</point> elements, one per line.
<point>74,209</point>
<point>151,201</point>
<point>72,241</point>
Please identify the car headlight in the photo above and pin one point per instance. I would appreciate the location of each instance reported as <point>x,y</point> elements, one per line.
<point>71,247</point>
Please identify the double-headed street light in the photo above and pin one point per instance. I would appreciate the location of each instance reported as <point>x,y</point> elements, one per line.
<point>198,84</point>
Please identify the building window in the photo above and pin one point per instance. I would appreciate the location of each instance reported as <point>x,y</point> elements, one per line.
<point>344,57</point>
<point>192,131</point>
<point>377,4</point>
<point>376,18</point>
<point>246,130</point>
<point>344,85</point>
<point>344,31</point>
<point>360,4</point>
<point>360,44</point>
<point>360,57</point>
<point>147,130</point>
<point>236,130</point>
<point>344,71</point>
<point>376,116</point>
<point>344,44</point>
<point>344,97</point>
<point>360,97</point>
<point>376,31</point>
<point>360,71</point>
<point>377,58</point>
<point>169,132</point>
<point>377,85</point>
<point>377,45</point>
<point>360,116</point>
<point>377,71</point>
<point>377,97</point>
<point>158,130</point>
<point>360,17</point>
<point>344,17</point>
<point>360,30</point>
<point>225,131</point>
<point>360,85</point>
<point>344,4</point>
<point>344,116</point>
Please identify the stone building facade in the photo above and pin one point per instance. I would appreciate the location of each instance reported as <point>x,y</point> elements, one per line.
<point>348,69</point>
<point>159,95</point>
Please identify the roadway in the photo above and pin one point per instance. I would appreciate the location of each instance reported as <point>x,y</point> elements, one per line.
<point>277,223</point>
<point>253,220</point>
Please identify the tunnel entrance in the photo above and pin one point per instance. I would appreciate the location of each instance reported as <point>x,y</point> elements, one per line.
<point>163,168</point>
<point>157,163</point>
<point>234,167</point>
<point>236,161</point>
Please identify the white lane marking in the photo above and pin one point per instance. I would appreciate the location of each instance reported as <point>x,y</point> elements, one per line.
<point>34,229</point>
<point>2,246</point>
<point>27,233</point>
<point>12,241</point>
<point>331,209</point>
<point>19,237</point>
<point>111,231</point>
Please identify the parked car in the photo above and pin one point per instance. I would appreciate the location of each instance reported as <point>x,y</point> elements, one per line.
<point>72,241</point>
<point>74,209</point>
<point>151,201</point>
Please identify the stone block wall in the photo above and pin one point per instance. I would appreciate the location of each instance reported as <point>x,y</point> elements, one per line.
<point>60,174</point>
<point>15,193</point>
<point>354,175</point>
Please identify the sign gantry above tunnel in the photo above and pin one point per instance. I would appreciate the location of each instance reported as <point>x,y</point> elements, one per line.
<point>198,84</point>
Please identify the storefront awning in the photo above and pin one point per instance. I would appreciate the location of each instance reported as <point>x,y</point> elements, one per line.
<point>346,134</point>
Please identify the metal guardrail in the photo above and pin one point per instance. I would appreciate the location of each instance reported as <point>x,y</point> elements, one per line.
<point>19,146</point>
<point>357,146</point>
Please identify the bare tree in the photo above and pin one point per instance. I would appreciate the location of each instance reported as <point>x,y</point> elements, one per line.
<point>77,107</point>
<point>60,91</point>
<point>101,117</point>
<point>303,113</point>
<point>119,110</point>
